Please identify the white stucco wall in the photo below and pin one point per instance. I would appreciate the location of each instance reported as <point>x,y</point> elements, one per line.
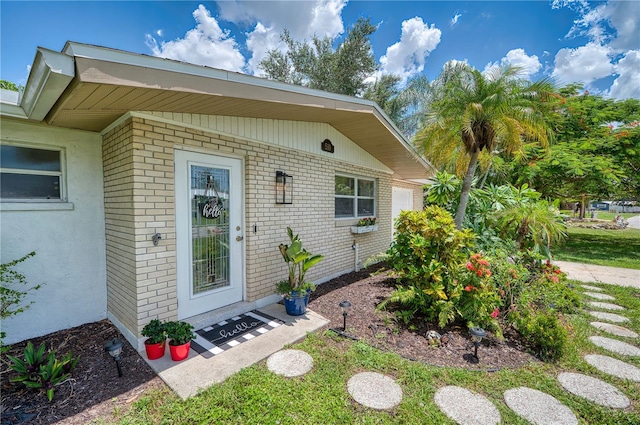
<point>69,238</point>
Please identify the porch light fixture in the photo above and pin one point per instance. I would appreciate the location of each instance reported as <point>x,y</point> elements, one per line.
<point>284,188</point>
<point>476,336</point>
<point>114,348</point>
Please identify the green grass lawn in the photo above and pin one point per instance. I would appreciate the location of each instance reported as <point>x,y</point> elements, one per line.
<point>257,396</point>
<point>616,248</point>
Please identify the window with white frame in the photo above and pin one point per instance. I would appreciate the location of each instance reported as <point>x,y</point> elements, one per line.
<point>355,197</point>
<point>30,173</point>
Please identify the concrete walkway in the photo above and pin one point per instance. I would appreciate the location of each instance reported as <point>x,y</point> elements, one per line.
<point>600,274</point>
<point>189,376</point>
<point>634,222</point>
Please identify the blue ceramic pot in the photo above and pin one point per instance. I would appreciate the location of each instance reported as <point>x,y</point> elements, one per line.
<point>296,304</point>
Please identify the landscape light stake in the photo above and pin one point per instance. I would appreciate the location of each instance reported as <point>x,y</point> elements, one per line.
<point>476,336</point>
<point>345,306</point>
<point>114,348</point>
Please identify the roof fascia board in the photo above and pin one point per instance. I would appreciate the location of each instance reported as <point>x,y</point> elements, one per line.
<point>50,75</point>
<point>10,104</point>
<point>141,60</point>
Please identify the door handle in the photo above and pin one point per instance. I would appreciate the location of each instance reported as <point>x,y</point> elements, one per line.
<point>239,238</point>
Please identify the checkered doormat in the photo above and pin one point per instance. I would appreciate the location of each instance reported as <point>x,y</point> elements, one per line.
<point>229,333</point>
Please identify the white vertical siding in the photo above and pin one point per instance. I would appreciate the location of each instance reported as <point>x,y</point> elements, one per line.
<point>303,136</point>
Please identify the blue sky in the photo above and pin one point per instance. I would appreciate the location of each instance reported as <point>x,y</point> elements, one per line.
<point>595,43</point>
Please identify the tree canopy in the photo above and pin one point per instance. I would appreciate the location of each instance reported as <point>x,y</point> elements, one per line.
<point>471,112</point>
<point>318,65</point>
<point>596,151</point>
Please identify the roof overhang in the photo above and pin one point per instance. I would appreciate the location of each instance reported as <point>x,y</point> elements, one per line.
<point>108,83</point>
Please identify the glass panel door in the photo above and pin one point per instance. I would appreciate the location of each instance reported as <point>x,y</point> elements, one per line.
<point>209,232</point>
<point>209,228</point>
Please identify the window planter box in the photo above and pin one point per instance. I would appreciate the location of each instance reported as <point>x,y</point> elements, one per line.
<point>363,229</point>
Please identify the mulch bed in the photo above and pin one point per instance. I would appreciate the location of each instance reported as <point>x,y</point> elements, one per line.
<point>95,391</point>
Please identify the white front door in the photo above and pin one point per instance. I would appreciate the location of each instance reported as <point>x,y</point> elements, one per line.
<point>209,232</point>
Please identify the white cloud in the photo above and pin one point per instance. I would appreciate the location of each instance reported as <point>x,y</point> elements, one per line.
<point>159,33</point>
<point>624,16</point>
<point>407,57</point>
<point>266,20</point>
<point>518,57</point>
<point>455,19</point>
<point>584,64</point>
<point>627,84</point>
<point>206,44</point>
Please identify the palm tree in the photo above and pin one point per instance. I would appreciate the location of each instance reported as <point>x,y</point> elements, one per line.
<point>471,112</point>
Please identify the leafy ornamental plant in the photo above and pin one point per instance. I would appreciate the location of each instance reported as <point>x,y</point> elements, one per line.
<point>42,370</point>
<point>480,302</point>
<point>299,261</point>
<point>11,298</point>
<point>155,331</point>
<point>179,333</point>
<point>368,221</point>
<point>426,253</point>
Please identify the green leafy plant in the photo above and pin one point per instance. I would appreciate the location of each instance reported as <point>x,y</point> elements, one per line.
<point>41,370</point>
<point>368,221</point>
<point>425,254</point>
<point>179,333</point>
<point>11,298</point>
<point>155,331</point>
<point>479,304</point>
<point>299,261</point>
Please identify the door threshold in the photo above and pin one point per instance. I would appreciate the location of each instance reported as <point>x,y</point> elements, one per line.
<point>205,319</point>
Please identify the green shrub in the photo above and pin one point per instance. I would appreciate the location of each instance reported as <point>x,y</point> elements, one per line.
<point>543,331</point>
<point>427,253</point>
<point>42,370</point>
<point>538,313</point>
<point>11,297</point>
<point>479,304</point>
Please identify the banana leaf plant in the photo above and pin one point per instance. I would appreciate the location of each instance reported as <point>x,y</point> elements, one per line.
<point>299,261</point>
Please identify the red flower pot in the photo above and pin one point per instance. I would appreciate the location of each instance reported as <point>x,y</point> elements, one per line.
<point>179,352</point>
<point>155,351</point>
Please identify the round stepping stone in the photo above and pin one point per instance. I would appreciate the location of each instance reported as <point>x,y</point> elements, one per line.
<point>592,288</point>
<point>465,407</point>
<point>374,390</point>
<point>605,306</point>
<point>614,329</point>
<point>611,317</point>
<point>290,363</point>
<point>613,367</point>
<point>615,345</point>
<point>538,408</point>
<point>598,296</point>
<point>594,390</point>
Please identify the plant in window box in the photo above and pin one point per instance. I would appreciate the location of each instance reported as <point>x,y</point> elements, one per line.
<point>295,289</point>
<point>367,224</point>
<point>180,335</point>
<point>156,334</point>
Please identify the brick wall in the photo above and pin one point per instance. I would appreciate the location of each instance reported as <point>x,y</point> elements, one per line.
<point>138,159</point>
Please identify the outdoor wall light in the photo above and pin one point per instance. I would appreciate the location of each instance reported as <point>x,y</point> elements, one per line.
<point>476,336</point>
<point>284,188</point>
<point>114,348</point>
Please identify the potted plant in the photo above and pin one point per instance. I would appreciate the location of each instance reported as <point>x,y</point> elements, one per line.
<point>295,289</point>
<point>156,335</point>
<point>180,335</point>
<point>365,225</point>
